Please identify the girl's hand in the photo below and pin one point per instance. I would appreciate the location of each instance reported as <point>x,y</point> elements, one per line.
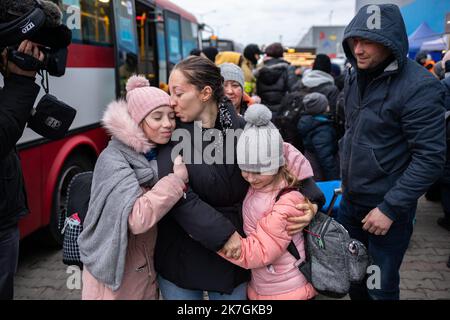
<point>180,170</point>
<point>298,223</point>
<point>232,248</point>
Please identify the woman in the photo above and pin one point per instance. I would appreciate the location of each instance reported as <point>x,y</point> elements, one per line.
<point>233,77</point>
<point>201,223</point>
<point>127,200</point>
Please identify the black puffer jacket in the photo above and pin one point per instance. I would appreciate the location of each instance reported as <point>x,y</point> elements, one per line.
<point>275,79</point>
<point>16,100</point>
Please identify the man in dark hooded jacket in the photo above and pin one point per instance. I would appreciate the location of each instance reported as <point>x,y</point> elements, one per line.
<point>394,144</point>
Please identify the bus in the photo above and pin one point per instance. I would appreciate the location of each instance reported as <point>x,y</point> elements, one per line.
<point>112,40</point>
<point>222,44</point>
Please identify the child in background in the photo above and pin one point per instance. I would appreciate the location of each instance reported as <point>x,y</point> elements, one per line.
<point>319,137</point>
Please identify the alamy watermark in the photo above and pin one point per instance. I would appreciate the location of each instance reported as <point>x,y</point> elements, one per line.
<point>374,20</point>
<point>259,147</point>
<point>73,19</point>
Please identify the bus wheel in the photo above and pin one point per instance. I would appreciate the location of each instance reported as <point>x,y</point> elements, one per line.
<point>73,165</point>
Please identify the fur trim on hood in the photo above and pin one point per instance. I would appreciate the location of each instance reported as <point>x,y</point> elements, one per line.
<point>118,122</point>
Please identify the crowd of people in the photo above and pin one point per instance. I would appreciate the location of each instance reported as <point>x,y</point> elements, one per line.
<point>163,224</point>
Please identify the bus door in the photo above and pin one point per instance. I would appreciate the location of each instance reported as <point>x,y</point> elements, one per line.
<point>126,48</point>
<point>146,21</point>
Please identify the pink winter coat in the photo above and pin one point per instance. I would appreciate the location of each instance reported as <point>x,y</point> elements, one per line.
<point>264,250</point>
<point>139,279</point>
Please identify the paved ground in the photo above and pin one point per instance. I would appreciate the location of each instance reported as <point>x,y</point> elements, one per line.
<point>42,275</point>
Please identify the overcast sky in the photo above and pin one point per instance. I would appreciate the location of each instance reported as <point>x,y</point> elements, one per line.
<point>263,21</point>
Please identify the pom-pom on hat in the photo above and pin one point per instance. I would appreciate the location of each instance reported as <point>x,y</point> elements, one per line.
<point>143,99</point>
<point>260,146</point>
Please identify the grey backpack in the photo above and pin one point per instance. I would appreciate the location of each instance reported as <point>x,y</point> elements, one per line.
<point>333,260</point>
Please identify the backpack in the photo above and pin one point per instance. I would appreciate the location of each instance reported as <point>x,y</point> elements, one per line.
<point>333,260</point>
<point>287,117</point>
<point>78,196</point>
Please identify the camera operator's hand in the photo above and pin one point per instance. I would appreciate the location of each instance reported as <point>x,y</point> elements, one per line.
<point>26,47</point>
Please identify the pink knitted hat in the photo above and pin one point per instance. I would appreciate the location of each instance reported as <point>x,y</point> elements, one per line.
<point>143,99</point>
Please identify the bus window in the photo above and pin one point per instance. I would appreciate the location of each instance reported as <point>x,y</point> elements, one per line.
<point>126,42</point>
<point>189,33</point>
<point>173,39</point>
<point>146,22</point>
<point>93,19</point>
<point>161,40</point>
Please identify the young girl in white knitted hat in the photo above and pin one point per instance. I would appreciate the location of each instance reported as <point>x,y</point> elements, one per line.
<point>275,275</point>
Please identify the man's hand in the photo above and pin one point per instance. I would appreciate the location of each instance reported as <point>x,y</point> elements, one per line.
<point>26,47</point>
<point>298,223</point>
<point>377,223</point>
<point>232,249</point>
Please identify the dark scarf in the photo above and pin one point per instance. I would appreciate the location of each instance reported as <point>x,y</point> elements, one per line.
<point>223,123</point>
<point>223,120</point>
<point>365,76</point>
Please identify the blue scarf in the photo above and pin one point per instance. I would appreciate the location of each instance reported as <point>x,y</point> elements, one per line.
<point>151,155</point>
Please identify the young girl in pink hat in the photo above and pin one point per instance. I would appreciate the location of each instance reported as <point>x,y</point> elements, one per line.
<point>128,197</point>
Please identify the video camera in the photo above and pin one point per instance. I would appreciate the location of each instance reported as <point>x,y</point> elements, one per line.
<point>39,21</point>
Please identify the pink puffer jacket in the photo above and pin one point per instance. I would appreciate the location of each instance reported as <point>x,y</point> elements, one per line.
<point>264,250</point>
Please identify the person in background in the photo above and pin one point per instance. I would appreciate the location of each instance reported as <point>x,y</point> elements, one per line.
<point>439,70</point>
<point>319,137</point>
<point>275,78</point>
<point>338,75</point>
<point>320,80</point>
<point>424,59</point>
<point>234,87</point>
<point>237,59</point>
<point>252,54</point>
<point>210,53</point>
<point>195,52</point>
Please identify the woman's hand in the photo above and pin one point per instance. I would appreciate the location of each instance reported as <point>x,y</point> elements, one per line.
<point>298,223</point>
<point>180,170</point>
<point>232,249</point>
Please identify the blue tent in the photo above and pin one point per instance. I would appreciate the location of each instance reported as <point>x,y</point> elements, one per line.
<point>420,35</point>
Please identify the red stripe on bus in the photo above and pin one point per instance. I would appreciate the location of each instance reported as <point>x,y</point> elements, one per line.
<point>89,56</point>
